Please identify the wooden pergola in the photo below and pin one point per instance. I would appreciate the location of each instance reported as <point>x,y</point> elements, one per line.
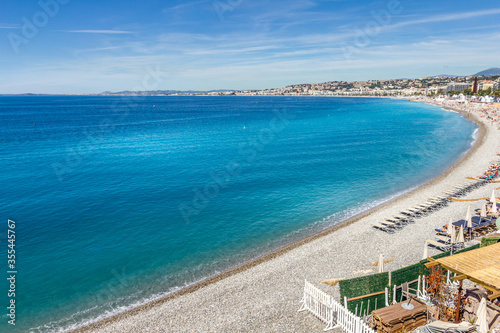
<point>481,266</point>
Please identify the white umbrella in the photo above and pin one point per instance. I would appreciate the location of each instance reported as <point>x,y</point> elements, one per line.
<point>461,238</point>
<point>493,208</point>
<point>453,235</point>
<point>483,211</point>
<point>492,198</point>
<point>425,256</point>
<point>468,217</point>
<point>482,322</point>
<point>381,263</point>
<point>450,227</point>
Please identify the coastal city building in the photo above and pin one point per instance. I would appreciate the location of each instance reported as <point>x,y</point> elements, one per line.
<point>430,86</point>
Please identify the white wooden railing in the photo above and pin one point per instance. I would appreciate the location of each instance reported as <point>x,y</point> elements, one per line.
<point>331,312</point>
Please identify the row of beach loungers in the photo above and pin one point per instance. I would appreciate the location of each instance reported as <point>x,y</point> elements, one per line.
<point>480,226</point>
<point>397,222</point>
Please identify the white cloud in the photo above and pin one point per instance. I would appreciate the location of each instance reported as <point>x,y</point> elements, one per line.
<point>99,31</point>
<point>448,17</point>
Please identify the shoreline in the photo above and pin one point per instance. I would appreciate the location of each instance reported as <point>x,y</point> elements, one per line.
<point>210,281</point>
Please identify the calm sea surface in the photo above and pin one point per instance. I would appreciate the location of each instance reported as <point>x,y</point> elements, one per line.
<point>120,200</point>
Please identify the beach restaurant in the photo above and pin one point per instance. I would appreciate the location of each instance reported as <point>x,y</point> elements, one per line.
<point>446,293</point>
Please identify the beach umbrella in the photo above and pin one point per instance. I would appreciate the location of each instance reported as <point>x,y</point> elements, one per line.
<point>493,208</point>
<point>483,212</point>
<point>468,217</point>
<point>492,198</point>
<point>461,238</point>
<point>450,227</point>
<point>482,321</point>
<point>380,263</point>
<point>452,241</point>
<point>425,256</point>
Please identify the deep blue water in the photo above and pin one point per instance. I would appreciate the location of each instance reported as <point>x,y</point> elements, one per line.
<point>119,200</point>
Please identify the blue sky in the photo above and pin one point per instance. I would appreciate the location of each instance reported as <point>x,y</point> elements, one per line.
<point>76,46</point>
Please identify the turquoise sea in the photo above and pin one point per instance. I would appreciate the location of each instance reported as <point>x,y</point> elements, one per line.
<point>119,200</point>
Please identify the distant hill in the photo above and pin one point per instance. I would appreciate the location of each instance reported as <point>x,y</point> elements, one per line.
<point>489,72</point>
<point>442,75</point>
<point>159,92</point>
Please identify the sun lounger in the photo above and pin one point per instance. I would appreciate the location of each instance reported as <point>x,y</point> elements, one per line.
<point>443,239</point>
<point>421,210</point>
<point>450,193</point>
<point>417,213</point>
<point>443,247</point>
<point>404,218</point>
<point>409,213</point>
<point>392,224</point>
<point>440,197</point>
<point>383,228</point>
<point>396,221</point>
<point>430,205</point>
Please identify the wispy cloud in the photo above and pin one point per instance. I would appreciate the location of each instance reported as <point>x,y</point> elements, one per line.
<point>232,51</point>
<point>6,26</point>
<point>448,17</point>
<point>183,6</point>
<point>99,31</point>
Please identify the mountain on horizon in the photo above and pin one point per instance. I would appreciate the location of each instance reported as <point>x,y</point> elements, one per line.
<point>442,75</point>
<point>489,72</point>
<point>160,92</point>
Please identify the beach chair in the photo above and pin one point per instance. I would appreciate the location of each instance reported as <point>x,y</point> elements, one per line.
<point>449,193</point>
<point>460,190</point>
<point>438,203</point>
<point>422,210</point>
<point>383,228</point>
<point>409,213</point>
<point>441,246</point>
<point>439,198</point>
<point>431,205</point>
<point>404,218</point>
<point>419,212</point>
<point>444,239</point>
<point>392,224</point>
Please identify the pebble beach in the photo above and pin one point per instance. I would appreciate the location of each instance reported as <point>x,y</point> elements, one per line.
<point>264,295</point>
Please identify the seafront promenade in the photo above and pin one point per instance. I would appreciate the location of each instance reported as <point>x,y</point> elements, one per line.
<point>264,295</point>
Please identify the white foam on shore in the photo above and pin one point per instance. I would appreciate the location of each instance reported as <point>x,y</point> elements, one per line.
<point>62,325</point>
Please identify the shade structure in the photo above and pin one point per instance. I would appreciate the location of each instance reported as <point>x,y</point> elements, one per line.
<point>482,321</point>
<point>450,227</point>
<point>492,198</point>
<point>461,238</point>
<point>425,252</point>
<point>483,214</point>
<point>481,266</point>
<point>380,263</point>
<point>483,210</point>
<point>494,208</point>
<point>468,217</point>
<point>453,237</point>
